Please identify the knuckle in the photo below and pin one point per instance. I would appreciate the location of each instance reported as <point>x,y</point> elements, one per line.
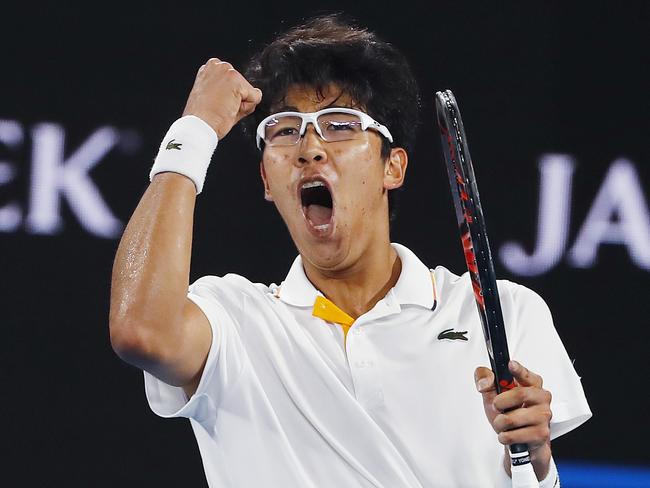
<point>543,432</point>
<point>520,395</point>
<point>496,404</point>
<point>505,438</point>
<point>507,422</point>
<point>546,432</point>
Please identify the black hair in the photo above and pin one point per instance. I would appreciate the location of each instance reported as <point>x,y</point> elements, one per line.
<point>330,50</point>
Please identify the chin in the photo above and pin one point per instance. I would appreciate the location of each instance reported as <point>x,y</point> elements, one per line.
<point>328,253</point>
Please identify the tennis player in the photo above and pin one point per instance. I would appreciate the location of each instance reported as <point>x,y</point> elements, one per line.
<point>364,367</point>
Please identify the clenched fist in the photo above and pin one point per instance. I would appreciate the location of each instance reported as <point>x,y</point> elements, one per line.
<point>520,415</point>
<point>221,96</point>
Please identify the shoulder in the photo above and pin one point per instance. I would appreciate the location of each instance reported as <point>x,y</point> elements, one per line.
<point>513,296</point>
<point>230,288</point>
<point>230,281</point>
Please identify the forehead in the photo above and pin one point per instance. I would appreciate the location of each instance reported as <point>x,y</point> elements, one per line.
<point>306,98</point>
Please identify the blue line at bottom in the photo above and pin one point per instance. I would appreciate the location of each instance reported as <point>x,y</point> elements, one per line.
<point>586,475</point>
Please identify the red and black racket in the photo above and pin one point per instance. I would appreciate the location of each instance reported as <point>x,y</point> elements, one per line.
<point>479,260</point>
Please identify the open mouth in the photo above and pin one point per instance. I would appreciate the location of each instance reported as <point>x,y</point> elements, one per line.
<point>317,204</point>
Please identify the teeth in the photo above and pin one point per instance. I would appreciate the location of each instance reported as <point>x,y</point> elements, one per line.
<point>312,184</point>
<point>322,227</point>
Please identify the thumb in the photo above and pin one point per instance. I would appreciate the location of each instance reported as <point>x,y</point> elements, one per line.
<point>255,96</point>
<point>484,380</point>
<point>250,99</point>
<point>246,108</point>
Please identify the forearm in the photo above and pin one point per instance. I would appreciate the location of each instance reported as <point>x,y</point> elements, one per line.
<point>153,324</point>
<point>152,266</point>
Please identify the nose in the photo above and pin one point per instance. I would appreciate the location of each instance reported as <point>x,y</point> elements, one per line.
<point>310,147</point>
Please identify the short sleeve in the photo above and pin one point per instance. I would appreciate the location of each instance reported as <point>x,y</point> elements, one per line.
<point>221,302</point>
<point>535,343</point>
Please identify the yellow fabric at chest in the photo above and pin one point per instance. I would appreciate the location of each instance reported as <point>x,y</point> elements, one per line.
<point>327,310</point>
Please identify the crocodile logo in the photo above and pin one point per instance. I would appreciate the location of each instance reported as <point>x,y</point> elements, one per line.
<point>174,145</point>
<point>453,335</point>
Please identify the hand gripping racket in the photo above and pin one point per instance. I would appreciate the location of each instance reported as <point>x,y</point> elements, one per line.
<point>479,262</point>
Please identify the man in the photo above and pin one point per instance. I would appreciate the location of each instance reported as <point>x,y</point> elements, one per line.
<point>346,374</point>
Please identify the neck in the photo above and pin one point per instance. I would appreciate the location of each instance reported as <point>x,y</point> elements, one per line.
<point>357,289</point>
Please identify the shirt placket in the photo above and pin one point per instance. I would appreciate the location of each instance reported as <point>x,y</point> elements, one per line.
<point>362,358</point>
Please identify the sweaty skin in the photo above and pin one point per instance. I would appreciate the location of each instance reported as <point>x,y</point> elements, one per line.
<point>154,326</point>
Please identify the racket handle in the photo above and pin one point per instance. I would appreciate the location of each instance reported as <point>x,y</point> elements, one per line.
<point>523,474</point>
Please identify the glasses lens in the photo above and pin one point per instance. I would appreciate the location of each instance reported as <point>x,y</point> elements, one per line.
<point>337,126</point>
<point>282,131</point>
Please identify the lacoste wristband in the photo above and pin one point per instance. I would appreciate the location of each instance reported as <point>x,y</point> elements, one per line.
<point>187,150</point>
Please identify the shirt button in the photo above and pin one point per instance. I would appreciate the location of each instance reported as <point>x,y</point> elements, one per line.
<point>356,331</point>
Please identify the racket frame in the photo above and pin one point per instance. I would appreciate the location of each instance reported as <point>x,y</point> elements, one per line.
<point>476,247</point>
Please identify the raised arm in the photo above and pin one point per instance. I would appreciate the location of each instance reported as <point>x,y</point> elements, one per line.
<point>153,325</point>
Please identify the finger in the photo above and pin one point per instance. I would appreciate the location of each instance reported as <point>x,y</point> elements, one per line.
<point>522,396</point>
<point>524,376</point>
<point>522,417</point>
<point>534,436</point>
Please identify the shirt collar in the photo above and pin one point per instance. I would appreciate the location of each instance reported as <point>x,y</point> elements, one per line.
<point>415,285</point>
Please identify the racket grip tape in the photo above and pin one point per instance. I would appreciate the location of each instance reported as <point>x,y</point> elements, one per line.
<point>523,474</point>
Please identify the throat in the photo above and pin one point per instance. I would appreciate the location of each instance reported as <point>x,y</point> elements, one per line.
<point>359,293</point>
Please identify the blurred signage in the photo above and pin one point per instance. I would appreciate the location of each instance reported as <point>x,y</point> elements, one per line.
<point>618,215</point>
<point>55,176</point>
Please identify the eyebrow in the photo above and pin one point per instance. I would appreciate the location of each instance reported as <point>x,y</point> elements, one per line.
<point>291,108</point>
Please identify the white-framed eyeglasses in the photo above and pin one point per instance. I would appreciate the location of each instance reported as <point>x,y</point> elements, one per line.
<point>331,124</point>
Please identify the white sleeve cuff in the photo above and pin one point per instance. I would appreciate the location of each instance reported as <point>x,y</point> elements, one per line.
<point>169,401</point>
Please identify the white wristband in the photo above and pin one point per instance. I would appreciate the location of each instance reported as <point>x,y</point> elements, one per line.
<point>186,149</point>
<point>552,479</point>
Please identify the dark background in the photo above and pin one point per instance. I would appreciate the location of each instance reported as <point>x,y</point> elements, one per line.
<point>532,79</point>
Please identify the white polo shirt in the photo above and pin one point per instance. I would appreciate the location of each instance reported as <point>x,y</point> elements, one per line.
<point>285,402</point>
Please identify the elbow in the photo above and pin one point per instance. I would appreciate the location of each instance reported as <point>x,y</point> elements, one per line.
<point>132,342</point>
<point>140,345</point>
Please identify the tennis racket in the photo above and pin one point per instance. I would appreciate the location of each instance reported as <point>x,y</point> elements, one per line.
<point>479,262</point>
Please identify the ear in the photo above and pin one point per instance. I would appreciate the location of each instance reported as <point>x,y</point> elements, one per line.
<point>267,190</point>
<point>395,168</point>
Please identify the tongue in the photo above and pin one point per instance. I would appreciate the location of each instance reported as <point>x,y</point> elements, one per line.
<point>318,215</point>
